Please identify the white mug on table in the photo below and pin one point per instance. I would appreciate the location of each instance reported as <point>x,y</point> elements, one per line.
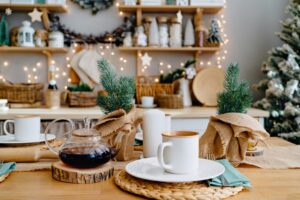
<point>179,152</point>
<point>27,128</point>
<point>147,101</point>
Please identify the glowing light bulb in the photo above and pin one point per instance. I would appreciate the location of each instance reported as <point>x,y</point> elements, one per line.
<point>219,66</point>
<point>117,4</point>
<point>64,74</point>
<point>121,13</point>
<point>219,58</point>
<point>182,64</point>
<point>25,68</point>
<point>56,76</point>
<point>122,69</point>
<point>53,62</point>
<point>225,51</point>
<point>34,69</point>
<point>73,51</point>
<point>5,63</point>
<point>209,63</point>
<point>68,65</point>
<point>101,47</point>
<point>29,75</point>
<point>57,69</point>
<point>112,53</point>
<point>143,70</point>
<point>38,64</point>
<point>67,58</point>
<point>201,63</point>
<point>66,87</point>
<point>75,45</point>
<point>223,57</point>
<point>102,53</point>
<point>140,54</point>
<point>156,80</point>
<point>169,66</point>
<point>35,77</point>
<point>161,63</point>
<point>222,16</point>
<point>125,61</point>
<point>107,47</point>
<point>121,59</point>
<point>161,71</point>
<point>69,80</point>
<point>29,81</point>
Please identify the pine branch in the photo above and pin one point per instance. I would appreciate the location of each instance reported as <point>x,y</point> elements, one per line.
<point>236,96</point>
<point>120,90</point>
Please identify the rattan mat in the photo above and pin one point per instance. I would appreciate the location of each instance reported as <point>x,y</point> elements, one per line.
<point>176,191</point>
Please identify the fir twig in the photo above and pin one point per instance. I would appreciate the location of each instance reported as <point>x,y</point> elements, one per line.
<point>236,96</point>
<point>120,90</point>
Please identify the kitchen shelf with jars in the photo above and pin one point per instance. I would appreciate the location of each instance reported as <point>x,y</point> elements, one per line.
<point>166,34</point>
<point>25,39</point>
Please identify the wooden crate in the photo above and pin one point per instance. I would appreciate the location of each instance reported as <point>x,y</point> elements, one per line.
<point>82,99</point>
<point>22,92</point>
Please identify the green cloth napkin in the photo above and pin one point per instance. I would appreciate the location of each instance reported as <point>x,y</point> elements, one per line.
<point>5,168</point>
<point>231,177</point>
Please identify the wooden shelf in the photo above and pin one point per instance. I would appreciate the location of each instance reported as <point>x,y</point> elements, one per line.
<point>29,7</point>
<point>32,50</point>
<point>170,9</point>
<point>168,49</point>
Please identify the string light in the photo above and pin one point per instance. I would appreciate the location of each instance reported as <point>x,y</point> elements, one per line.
<point>69,80</point>
<point>68,66</point>
<point>64,74</point>
<point>68,58</point>
<point>5,63</point>
<point>34,69</point>
<point>122,69</point>
<point>38,64</point>
<point>25,68</point>
<point>169,66</point>
<point>121,13</point>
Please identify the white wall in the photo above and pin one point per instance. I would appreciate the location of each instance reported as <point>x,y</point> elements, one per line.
<point>250,26</point>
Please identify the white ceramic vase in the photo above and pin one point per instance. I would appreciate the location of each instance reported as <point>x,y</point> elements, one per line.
<point>184,90</point>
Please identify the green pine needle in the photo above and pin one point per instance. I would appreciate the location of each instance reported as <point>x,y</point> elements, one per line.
<point>236,96</point>
<point>121,90</point>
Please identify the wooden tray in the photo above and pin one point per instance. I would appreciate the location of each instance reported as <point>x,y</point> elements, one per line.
<point>207,84</point>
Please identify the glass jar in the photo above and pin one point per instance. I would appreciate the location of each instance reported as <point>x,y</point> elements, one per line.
<point>163,31</point>
<point>175,33</point>
<point>56,39</point>
<point>25,35</point>
<point>146,24</point>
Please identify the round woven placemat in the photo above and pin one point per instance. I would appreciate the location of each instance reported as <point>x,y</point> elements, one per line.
<point>177,191</point>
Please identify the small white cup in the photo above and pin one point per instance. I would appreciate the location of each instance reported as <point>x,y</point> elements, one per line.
<point>147,101</point>
<point>3,103</point>
<point>27,128</point>
<point>179,152</point>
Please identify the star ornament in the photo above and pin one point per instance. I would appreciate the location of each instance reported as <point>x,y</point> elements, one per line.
<point>35,15</point>
<point>146,59</point>
<point>179,16</point>
<point>8,11</point>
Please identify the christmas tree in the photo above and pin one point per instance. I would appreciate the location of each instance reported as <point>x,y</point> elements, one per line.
<point>4,32</point>
<point>120,91</point>
<point>214,36</point>
<point>281,85</point>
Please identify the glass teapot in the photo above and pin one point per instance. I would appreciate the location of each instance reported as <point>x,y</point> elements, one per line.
<point>83,148</point>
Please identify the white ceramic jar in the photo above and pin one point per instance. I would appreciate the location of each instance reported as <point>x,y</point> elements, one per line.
<point>56,39</point>
<point>25,35</point>
<point>175,33</point>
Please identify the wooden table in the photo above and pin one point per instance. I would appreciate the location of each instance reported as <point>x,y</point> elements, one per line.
<point>267,184</point>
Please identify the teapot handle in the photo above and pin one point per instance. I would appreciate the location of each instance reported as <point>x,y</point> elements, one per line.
<point>67,134</point>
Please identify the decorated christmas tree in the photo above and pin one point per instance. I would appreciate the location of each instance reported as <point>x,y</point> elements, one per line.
<point>281,85</point>
<point>214,35</point>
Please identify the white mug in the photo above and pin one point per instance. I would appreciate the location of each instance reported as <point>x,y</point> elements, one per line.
<point>27,128</point>
<point>147,101</point>
<point>179,152</point>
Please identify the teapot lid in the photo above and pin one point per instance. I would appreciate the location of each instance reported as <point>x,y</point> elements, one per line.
<point>86,131</point>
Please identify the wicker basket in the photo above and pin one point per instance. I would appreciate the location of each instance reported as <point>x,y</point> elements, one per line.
<point>22,92</point>
<point>170,101</point>
<point>82,99</point>
<point>146,86</point>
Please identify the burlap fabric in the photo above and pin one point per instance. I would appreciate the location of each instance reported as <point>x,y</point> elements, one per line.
<point>227,136</point>
<point>118,129</point>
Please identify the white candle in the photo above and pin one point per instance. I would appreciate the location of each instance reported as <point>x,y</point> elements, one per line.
<point>154,124</point>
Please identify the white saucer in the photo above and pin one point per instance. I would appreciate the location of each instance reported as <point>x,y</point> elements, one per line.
<point>139,136</point>
<point>149,169</point>
<point>142,106</point>
<point>10,140</point>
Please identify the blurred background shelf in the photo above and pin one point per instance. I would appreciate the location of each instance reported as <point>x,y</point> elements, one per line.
<point>29,7</point>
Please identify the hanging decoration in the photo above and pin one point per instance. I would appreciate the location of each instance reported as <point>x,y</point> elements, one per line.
<point>8,11</point>
<point>35,15</point>
<point>146,60</point>
<point>94,5</point>
<point>114,37</point>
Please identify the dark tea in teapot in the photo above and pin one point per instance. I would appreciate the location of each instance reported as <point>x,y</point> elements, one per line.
<point>85,157</point>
